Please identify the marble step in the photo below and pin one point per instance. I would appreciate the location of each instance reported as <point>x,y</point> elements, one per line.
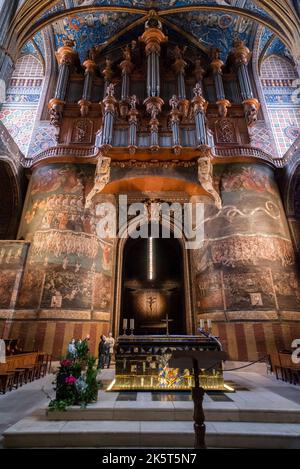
<point>37,432</point>
<point>174,411</point>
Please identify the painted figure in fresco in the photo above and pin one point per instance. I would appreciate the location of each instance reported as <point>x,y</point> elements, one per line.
<point>52,179</point>
<point>106,250</point>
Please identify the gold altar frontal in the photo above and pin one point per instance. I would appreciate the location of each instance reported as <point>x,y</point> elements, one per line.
<point>142,364</point>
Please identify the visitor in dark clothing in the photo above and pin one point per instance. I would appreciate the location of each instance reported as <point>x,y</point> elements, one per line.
<point>103,352</point>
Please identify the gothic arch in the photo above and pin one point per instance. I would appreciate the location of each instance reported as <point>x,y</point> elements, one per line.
<point>125,231</point>
<point>10,199</point>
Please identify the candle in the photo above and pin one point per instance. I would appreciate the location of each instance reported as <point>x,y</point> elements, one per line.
<point>201,323</point>
<point>209,323</point>
<point>131,323</point>
<point>124,323</point>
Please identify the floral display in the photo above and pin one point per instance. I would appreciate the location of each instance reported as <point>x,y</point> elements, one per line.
<point>76,379</point>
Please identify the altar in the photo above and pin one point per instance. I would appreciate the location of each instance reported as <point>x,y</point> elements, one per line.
<point>142,363</point>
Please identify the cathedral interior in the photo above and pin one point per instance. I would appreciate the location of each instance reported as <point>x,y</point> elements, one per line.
<point>178,102</point>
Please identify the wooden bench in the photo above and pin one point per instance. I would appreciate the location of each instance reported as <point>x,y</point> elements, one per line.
<point>22,368</point>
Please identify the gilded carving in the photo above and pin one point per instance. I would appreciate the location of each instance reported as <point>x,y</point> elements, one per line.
<point>205,177</point>
<point>82,131</point>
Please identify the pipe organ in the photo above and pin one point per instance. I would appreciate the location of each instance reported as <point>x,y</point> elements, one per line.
<point>151,94</point>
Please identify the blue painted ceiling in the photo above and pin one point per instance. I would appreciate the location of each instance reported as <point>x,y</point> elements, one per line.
<point>210,28</point>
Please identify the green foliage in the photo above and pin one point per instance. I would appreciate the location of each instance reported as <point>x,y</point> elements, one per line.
<point>76,380</point>
<point>82,350</point>
<point>59,404</point>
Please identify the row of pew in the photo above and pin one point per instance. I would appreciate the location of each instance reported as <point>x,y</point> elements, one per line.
<point>23,368</point>
<point>284,366</point>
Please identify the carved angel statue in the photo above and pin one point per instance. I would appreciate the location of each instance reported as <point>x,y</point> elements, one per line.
<point>197,90</point>
<point>127,53</point>
<point>110,90</point>
<point>174,102</point>
<point>178,52</point>
<point>133,102</point>
<point>102,176</point>
<point>205,177</point>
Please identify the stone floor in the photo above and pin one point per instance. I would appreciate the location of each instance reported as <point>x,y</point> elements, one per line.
<point>260,404</point>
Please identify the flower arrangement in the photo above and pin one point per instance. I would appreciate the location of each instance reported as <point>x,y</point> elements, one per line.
<point>76,379</point>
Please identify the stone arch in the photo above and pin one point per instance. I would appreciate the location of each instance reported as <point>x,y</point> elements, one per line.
<point>277,67</point>
<point>10,199</point>
<point>123,238</point>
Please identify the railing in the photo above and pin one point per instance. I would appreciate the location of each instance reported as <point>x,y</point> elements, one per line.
<point>233,151</point>
<point>65,150</point>
<point>244,151</point>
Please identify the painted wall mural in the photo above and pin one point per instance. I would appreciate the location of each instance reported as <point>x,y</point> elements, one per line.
<point>69,267</point>
<point>12,260</point>
<point>247,262</point>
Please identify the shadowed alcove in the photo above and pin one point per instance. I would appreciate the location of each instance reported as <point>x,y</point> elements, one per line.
<point>153,286</point>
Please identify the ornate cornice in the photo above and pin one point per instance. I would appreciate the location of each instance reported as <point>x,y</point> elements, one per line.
<point>121,157</point>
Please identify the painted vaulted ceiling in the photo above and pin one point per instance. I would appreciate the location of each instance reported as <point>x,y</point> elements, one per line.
<point>208,23</point>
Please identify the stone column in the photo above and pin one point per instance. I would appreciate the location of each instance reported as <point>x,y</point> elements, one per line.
<point>217,66</point>
<point>153,37</point>
<point>85,101</point>
<point>175,121</point>
<point>241,56</point>
<point>199,106</point>
<point>65,56</point>
<point>109,104</point>
<point>133,122</point>
<point>126,66</point>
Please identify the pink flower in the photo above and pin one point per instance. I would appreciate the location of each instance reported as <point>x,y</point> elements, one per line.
<point>88,337</point>
<point>66,362</point>
<point>70,380</point>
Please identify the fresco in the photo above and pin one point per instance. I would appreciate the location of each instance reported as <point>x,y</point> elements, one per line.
<point>56,199</point>
<point>67,290</point>
<point>12,259</point>
<point>287,290</point>
<point>209,291</point>
<point>249,290</point>
<point>247,246</point>
<point>102,297</point>
<point>30,291</point>
<point>251,204</point>
<point>73,266</point>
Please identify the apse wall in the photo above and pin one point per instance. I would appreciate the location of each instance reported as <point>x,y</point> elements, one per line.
<point>65,288</point>
<point>245,275</point>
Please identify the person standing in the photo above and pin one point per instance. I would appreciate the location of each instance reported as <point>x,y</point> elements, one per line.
<point>111,343</point>
<point>103,352</point>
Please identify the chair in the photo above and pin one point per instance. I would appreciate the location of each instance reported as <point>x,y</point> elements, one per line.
<point>291,371</point>
<point>276,365</point>
<point>6,378</point>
